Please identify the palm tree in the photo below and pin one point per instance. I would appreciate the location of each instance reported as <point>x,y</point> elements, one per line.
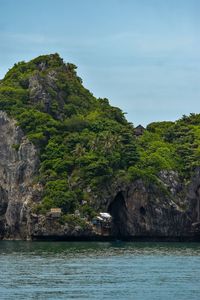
<point>79,150</point>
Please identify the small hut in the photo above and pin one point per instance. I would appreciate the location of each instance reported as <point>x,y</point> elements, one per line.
<point>139,130</point>
<point>55,212</point>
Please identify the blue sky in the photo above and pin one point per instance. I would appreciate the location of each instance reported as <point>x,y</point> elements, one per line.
<point>143,55</point>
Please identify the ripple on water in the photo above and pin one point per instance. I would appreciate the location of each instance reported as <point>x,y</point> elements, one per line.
<point>64,270</point>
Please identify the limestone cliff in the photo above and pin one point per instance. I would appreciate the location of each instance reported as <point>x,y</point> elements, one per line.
<point>18,166</point>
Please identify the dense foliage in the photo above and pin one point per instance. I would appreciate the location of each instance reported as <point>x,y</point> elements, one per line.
<point>84,142</point>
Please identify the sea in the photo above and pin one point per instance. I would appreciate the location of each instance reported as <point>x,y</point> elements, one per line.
<point>99,270</point>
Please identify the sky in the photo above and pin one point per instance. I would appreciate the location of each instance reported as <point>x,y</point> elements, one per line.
<point>143,55</point>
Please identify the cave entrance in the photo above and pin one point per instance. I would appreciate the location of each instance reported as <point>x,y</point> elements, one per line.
<point>118,211</point>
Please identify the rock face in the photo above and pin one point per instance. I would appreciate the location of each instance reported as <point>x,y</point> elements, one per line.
<point>18,165</point>
<point>42,93</point>
<point>142,209</point>
<point>45,227</point>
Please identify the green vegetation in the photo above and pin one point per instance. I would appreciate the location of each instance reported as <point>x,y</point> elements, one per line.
<point>84,142</point>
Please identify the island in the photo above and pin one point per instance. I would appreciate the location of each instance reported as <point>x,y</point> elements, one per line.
<point>73,168</point>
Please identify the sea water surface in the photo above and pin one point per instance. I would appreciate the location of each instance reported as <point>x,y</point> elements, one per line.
<point>95,270</point>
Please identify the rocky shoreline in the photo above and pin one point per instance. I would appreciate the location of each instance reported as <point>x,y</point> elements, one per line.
<point>190,239</point>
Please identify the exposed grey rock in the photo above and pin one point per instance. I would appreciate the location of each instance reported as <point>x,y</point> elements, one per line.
<point>47,227</point>
<point>18,166</point>
<point>144,210</point>
<point>40,93</point>
<point>171,180</point>
<point>193,196</point>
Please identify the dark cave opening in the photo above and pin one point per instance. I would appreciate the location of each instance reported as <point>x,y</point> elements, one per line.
<point>142,211</point>
<point>118,211</point>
